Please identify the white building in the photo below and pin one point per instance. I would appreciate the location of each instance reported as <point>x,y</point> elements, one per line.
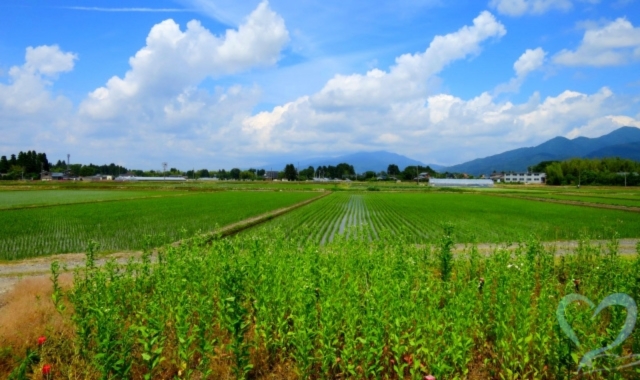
<point>538,178</point>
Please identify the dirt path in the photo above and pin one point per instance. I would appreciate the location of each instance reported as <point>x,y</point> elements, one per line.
<point>626,246</point>
<point>11,273</point>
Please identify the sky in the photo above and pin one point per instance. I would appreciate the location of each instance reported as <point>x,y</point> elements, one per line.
<point>223,83</point>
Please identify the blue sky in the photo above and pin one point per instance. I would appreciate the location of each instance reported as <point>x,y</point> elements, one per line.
<point>221,83</point>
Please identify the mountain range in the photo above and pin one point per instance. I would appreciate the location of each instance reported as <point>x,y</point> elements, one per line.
<point>361,161</point>
<point>624,142</point>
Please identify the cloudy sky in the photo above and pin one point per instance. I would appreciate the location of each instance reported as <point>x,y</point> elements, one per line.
<point>222,83</point>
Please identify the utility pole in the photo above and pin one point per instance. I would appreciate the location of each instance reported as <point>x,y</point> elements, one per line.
<point>164,170</point>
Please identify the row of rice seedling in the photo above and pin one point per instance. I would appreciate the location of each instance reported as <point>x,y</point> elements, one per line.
<point>264,305</point>
<point>420,217</point>
<point>119,225</point>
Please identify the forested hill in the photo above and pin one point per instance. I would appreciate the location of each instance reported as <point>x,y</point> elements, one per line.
<point>624,142</point>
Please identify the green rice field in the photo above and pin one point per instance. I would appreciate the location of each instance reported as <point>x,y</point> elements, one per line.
<point>419,217</point>
<point>629,200</point>
<point>123,224</point>
<point>36,198</point>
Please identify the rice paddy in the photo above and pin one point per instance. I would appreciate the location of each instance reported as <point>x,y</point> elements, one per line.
<point>419,217</point>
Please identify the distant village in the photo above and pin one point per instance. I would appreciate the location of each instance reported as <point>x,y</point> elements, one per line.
<point>607,171</point>
<point>65,171</point>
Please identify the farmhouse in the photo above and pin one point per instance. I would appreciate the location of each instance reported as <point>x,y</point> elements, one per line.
<point>51,176</point>
<point>452,182</point>
<point>271,174</point>
<point>525,177</point>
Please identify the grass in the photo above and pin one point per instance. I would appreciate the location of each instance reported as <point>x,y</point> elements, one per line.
<point>121,225</point>
<point>476,217</point>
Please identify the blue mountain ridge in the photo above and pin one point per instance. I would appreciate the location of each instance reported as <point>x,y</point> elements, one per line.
<point>624,142</point>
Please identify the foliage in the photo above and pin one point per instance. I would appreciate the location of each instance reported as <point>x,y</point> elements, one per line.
<point>412,171</point>
<point>248,306</point>
<point>290,172</point>
<point>393,170</point>
<point>606,171</point>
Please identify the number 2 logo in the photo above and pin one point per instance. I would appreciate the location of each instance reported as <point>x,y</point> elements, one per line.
<point>619,299</point>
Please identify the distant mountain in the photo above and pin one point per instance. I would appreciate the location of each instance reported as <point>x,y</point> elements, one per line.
<point>630,151</point>
<point>361,161</point>
<point>623,142</point>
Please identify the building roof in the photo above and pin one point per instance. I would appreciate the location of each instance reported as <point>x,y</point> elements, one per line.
<point>452,182</point>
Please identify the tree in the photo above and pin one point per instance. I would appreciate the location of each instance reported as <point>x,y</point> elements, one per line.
<point>393,170</point>
<point>234,173</point>
<point>4,164</point>
<point>261,172</point>
<point>290,172</point>
<point>369,175</point>
<point>247,174</point>
<point>87,171</point>
<point>307,173</point>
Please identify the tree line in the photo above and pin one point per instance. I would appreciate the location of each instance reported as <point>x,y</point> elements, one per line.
<point>582,171</point>
<point>25,165</point>
<point>30,164</point>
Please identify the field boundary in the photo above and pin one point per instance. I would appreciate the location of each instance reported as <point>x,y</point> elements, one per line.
<point>237,227</point>
<point>572,203</point>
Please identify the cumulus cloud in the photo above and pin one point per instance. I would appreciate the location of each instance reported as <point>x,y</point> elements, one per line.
<point>27,101</point>
<point>531,60</point>
<point>616,43</point>
<point>408,77</point>
<point>159,111</point>
<point>537,7</point>
<point>28,89</point>
<point>173,60</point>
<point>395,110</point>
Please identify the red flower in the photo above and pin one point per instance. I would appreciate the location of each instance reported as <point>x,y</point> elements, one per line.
<point>46,369</point>
<point>41,340</point>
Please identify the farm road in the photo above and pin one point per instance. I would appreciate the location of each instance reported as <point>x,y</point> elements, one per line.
<point>12,273</point>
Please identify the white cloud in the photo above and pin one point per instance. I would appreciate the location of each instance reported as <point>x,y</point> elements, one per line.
<point>173,61</point>
<point>48,60</point>
<point>408,77</point>
<point>28,91</point>
<point>537,7</point>
<point>364,112</point>
<point>29,112</point>
<point>531,60</point>
<point>394,110</point>
<point>616,43</point>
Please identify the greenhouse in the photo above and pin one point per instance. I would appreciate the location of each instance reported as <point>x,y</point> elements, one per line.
<point>450,182</point>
